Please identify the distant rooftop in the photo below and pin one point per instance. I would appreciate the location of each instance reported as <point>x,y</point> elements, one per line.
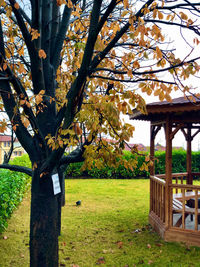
<point>5,138</point>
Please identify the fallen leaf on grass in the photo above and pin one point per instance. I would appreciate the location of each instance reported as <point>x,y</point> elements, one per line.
<point>119,244</point>
<point>106,251</point>
<point>5,237</point>
<point>100,261</point>
<point>158,244</point>
<point>150,262</point>
<point>148,245</point>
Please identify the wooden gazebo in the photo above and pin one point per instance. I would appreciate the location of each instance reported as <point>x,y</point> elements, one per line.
<point>174,200</point>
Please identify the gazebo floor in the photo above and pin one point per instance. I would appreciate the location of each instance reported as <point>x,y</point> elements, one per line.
<point>176,234</point>
<point>189,224</point>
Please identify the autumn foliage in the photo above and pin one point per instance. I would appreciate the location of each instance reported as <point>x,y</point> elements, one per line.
<point>69,69</point>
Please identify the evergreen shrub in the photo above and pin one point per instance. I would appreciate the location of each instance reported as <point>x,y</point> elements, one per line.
<point>12,188</point>
<point>178,165</point>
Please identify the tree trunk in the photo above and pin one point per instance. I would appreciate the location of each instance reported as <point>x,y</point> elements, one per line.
<point>44,223</point>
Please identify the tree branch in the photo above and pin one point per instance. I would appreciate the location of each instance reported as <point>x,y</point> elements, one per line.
<point>16,168</point>
<point>130,80</point>
<point>61,37</point>
<point>99,57</point>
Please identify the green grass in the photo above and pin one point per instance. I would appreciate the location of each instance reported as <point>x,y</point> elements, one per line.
<point>110,228</point>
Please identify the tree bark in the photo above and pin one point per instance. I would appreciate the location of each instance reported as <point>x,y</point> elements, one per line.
<point>44,223</point>
<point>61,197</point>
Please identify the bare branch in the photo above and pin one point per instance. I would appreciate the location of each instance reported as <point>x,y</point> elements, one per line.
<point>16,168</point>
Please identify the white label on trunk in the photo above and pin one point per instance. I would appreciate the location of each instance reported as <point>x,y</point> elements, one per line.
<point>56,184</point>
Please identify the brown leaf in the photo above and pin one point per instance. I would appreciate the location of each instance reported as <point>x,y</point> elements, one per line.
<point>62,264</point>
<point>158,244</point>
<point>119,244</point>
<point>100,261</point>
<point>42,54</point>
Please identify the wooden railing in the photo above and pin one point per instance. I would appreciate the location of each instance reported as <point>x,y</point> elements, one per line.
<point>157,197</point>
<point>184,200</point>
<point>185,203</point>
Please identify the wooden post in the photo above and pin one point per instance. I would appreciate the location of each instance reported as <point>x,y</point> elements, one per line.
<point>189,155</point>
<point>168,172</point>
<point>152,143</point>
<point>152,150</point>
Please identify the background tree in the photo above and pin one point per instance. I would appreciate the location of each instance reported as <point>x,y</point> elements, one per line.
<point>64,64</point>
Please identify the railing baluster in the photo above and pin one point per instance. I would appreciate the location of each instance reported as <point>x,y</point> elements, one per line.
<point>183,211</point>
<point>160,200</point>
<point>196,210</point>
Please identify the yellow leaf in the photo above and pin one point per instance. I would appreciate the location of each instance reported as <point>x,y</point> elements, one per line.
<point>160,15</point>
<point>183,16</point>
<point>158,52</point>
<point>15,127</point>
<point>5,66</point>
<point>42,92</point>
<point>35,34</point>
<point>42,54</point>
<point>21,51</point>
<point>21,68</point>
<point>126,4</point>
<point>38,99</point>
<point>34,166</point>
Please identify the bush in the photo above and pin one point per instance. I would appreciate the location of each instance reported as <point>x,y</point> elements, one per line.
<point>179,161</point>
<point>12,188</point>
<point>178,165</point>
<point>74,170</point>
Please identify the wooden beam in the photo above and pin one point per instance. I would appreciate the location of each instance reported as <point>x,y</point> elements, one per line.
<point>184,133</point>
<point>198,131</point>
<point>178,127</point>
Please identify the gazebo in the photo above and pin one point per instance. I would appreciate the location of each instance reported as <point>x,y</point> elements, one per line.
<point>174,199</point>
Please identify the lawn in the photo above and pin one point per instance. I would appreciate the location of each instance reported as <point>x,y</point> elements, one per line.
<point>110,228</point>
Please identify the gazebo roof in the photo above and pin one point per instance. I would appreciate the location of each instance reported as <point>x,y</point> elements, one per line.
<point>181,108</point>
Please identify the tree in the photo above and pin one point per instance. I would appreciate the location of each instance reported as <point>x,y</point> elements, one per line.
<point>64,67</point>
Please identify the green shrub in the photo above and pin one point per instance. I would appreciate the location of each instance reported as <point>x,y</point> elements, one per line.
<point>179,161</point>
<point>12,188</point>
<point>178,165</point>
<point>74,170</point>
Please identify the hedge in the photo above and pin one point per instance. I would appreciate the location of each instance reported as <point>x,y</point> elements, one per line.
<point>12,188</point>
<point>178,165</point>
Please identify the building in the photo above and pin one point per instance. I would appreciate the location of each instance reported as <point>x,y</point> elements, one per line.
<point>5,144</point>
